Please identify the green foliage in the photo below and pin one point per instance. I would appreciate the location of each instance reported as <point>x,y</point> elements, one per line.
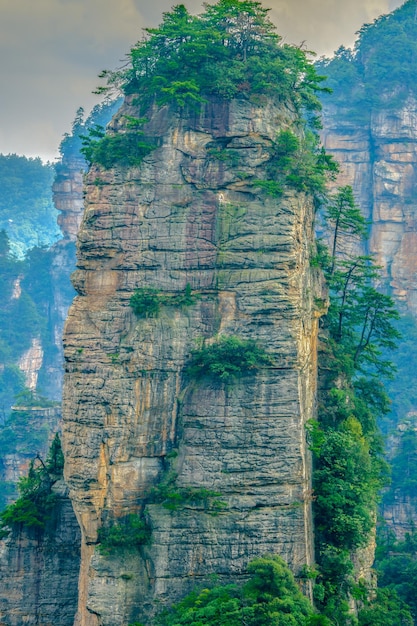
<point>36,500</point>
<point>229,51</point>
<point>129,532</point>
<point>346,483</point>
<point>124,149</point>
<point>19,318</point>
<point>228,358</point>
<point>188,298</point>
<point>147,302</point>
<point>27,212</point>
<point>12,381</point>
<point>223,154</point>
<point>173,497</point>
<point>37,280</point>
<point>55,458</point>
<point>387,609</point>
<point>271,597</point>
<point>17,435</point>
<point>298,163</point>
<point>72,143</point>
<point>404,468</point>
<point>349,469</point>
<point>270,187</point>
<point>26,287</point>
<point>381,71</point>
<point>396,567</point>
<point>345,222</point>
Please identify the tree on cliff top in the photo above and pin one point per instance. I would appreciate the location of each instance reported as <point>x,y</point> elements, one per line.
<point>231,50</point>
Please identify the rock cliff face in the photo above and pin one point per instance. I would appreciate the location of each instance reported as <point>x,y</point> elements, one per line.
<point>133,417</point>
<point>31,362</point>
<point>379,160</point>
<point>68,195</point>
<point>400,516</point>
<point>38,571</point>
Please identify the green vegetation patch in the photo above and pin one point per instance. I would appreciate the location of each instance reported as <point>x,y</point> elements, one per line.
<point>380,71</point>
<point>147,301</point>
<point>396,567</point>
<point>231,50</point>
<point>349,467</point>
<point>124,149</point>
<point>129,532</point>
<point>271,597</point>
<point>228,358</point>
<point>36,502</point>
<point>298,163</point>
<point>173,497</point>
<point>27,211</point>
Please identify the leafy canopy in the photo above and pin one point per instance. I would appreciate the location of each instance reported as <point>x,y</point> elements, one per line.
<point>36,499</point>
<point>128,533</point>
<point>230,50</point>
<point>349,469</point>
<point>228,358</point>
<point>381,70</point>
<point>271,597</point>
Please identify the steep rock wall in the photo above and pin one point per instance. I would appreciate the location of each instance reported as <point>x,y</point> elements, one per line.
<point>38,570</point>
<point>400,516</point>
<point>379,160</point>
<point>68,194</point>
<point>187,216</point>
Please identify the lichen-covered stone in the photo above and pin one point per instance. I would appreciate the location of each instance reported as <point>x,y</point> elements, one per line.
<point>183,217</point>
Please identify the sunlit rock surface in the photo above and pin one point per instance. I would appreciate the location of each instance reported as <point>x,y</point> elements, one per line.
<point>187,216</point>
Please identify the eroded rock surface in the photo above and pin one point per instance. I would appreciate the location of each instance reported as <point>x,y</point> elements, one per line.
<point>39,570</point>
<point>190,214</point>
<point>379,160</point>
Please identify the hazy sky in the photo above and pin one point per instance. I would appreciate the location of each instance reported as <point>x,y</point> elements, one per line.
<point>52,50</point>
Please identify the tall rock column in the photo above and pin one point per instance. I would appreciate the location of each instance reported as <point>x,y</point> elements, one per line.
<point>135,422</point>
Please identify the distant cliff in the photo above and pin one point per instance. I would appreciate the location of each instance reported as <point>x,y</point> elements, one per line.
<point>370,125</point>
<point>378,159</point>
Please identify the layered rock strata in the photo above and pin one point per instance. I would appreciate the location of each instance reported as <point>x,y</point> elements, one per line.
<point>133,416</point>
<point>379,160</point>
<point>38,570</point>
<point>68,194</point>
